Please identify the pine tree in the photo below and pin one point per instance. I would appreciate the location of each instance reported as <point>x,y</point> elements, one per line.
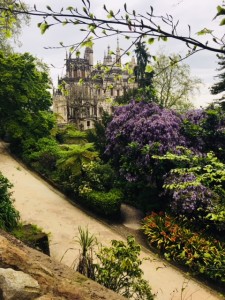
<point>219,86</point>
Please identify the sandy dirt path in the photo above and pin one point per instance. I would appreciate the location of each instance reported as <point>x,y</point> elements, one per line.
<point>39,203</point>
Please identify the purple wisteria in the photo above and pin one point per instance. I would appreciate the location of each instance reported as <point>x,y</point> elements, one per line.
<point>195,116</point>
<point>189,196</point>
<point>139,130</point>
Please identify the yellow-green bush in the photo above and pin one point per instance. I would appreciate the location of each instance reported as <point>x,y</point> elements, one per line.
<point>104,203</point>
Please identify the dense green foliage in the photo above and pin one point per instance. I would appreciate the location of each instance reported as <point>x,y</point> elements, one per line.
<point>97,134</point>
<point>202,255</point>
<point>96,188</point>
<point>219,86</point>
<point>70,135</point>
<point>9,216</point>
<point>118,269</point>
<point>24,100</point>
<point>75,167</point>
<point>196,185</point>
<point>104,203</point>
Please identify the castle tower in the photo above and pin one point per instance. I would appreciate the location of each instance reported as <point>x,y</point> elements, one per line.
<point>108,59</point>
<point>133,62</point>
<point>88,55</point>
<point>118,56</point>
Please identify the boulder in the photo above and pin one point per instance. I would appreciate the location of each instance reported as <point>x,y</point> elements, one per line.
<point>56,281</point>
<point>16,285</point>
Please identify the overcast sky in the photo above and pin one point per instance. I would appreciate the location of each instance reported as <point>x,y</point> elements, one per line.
<point>197,13</point>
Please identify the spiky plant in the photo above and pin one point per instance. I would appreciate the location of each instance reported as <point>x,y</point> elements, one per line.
<point>86,241</point>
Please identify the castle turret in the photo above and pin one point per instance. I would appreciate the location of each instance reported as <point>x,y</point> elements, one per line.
<point>88,55</point>
<point>118,56</point>
<point>108,58</point>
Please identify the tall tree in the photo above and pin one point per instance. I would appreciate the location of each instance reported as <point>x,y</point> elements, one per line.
<point>143,58</point>
<point>173,83</point>
<point>219,87</point>
<point>11,23</point>
<point>143,74</point>
<point>24,97</point>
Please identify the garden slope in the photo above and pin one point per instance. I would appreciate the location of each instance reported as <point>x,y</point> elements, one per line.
<point>41,204</point>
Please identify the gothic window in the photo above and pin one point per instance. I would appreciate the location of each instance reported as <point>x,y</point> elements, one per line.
<point>88,123</point>
<point>88,111</point>
<point>118,92</point>
<point>100,111</point>
<point>111,92</point>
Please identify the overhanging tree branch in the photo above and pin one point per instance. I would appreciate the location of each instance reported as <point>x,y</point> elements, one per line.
<point>131,24</point>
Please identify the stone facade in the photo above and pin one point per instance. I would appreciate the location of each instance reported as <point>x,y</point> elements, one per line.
<point>90,90</point>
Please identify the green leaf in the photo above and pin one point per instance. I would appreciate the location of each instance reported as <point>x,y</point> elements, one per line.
<point>220,11</point>
<point>92,28</point>
<point>164,38</point>
<point>222,22</point>
<point>204,31</point>
<point>110,15</point>
<point>88,43</point>
<point>151,41</point>
<point>148,69</point>
<point>44,27</point>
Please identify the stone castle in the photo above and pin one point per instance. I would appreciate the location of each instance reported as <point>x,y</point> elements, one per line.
<point>90,90</point>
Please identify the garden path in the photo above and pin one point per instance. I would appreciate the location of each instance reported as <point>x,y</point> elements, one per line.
<point>41,204</point>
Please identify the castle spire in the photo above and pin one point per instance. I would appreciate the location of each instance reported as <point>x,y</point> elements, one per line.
<point>118,56</point>
<point>108,58</point>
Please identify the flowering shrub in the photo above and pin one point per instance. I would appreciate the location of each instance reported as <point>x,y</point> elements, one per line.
<point>139,130</point>
<point>196,185</point>
<point>201,255</point>
<point>205,130</point>
<point>192,128</point>
<point>195,116</point>
<point>188,195</point>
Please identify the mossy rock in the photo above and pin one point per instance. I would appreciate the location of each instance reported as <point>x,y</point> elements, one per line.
<point>33,237</point>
